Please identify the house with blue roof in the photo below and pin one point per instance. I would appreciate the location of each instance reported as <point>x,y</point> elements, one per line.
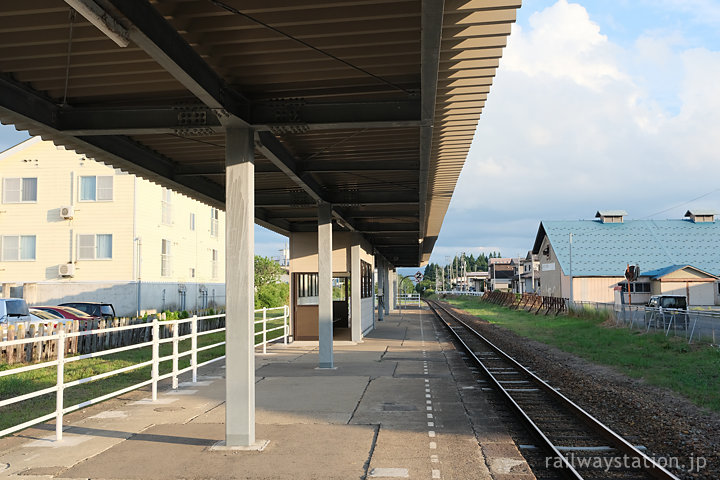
<point>674,255</point>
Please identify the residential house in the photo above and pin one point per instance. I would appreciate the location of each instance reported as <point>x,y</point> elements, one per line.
<point>501,272</point>
<point>72,229</point>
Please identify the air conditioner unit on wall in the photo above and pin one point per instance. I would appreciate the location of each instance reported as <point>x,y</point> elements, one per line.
<point>66,270</point>
<point>67,212</point>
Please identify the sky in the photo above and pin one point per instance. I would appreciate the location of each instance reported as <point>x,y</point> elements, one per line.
<point>596,105</point>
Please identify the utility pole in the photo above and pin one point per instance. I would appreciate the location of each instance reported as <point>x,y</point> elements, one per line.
<point>571,272</point>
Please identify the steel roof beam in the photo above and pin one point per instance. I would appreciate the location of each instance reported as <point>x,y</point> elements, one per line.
<point>151,32</point>
<point>264,116</point>
<point>273,150</point>
<point>431,24</point>
<point>323,116</point>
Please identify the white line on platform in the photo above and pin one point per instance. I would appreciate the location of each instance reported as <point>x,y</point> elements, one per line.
<point>433,445</point>
<point>431,434</point>
<point>436,474</point>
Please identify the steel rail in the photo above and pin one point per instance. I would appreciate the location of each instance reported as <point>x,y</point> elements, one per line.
<point>650,465</point>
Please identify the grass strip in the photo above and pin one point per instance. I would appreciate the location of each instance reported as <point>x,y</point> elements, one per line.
<point>669,362</point>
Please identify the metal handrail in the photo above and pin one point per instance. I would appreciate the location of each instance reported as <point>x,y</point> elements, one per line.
<point>61,337</point>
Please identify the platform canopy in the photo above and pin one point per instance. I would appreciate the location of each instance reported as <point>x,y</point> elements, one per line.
<point>369,105</point>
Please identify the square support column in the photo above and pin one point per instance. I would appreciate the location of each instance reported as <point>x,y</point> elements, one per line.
<point>381,287</point>
<point>240,286</point>
<point>391,290</point>
<point>386,288</point>
<point>355,292</point>
<point>325,300</point>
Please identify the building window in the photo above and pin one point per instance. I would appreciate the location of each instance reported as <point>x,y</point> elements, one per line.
<point>192,272</point>
<point>20,190</point>
<point>165,259</point>
<point>214,216</point>
<point>641,287</point>
<point>167,206</point>
<point>366,280</point>
<point>214,263</point>
<point>192,221</point>
<point>96,189</point>
<point>95,247</point>
<point>18,248</point>
<point>308,289</point>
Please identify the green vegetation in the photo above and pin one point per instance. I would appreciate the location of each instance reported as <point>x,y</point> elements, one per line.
<point>669,362</point>
<point>269,291</point>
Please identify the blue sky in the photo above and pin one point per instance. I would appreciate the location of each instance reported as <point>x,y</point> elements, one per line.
<point>597,104</point>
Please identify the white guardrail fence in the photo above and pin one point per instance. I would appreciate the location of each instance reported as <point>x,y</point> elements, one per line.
<point>460,292</point>
<point>405,299</point>
<point>278,318</point>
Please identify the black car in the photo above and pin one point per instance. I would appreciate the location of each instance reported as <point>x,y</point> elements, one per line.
<point>96,309</point>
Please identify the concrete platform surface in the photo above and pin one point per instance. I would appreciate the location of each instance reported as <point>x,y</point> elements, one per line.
<point>402,404</point>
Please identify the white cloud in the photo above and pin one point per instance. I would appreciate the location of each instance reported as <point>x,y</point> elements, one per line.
<point>562,43</point>
<point>575,123</point>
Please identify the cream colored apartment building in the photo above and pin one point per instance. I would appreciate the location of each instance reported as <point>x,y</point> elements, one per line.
<point>72,229</point>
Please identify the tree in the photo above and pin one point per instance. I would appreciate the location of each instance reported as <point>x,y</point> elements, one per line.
<point>425,288</point>
<point>269,291</point>
<point>267,271</point>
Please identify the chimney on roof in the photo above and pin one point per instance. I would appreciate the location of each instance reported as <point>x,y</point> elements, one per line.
<point>700,216</point>
<point>611,216</point>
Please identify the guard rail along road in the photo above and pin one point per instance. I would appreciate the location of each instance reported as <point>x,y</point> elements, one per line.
<point>271,325</point>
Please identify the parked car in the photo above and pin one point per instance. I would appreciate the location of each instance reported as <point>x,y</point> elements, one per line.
<point>67,312</point>
<point>678,302</point>
<point>41,316</point>
<point>13,310</point>
<point>96,309</point>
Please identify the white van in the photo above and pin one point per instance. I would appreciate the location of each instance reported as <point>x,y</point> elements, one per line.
<point>13,310</point>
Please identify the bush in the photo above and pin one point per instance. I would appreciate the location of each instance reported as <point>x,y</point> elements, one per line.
<point>272,295</point>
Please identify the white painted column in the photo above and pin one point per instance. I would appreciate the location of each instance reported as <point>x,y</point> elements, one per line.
<point>386,287</point>
<point>391,290</point>
<point>381,286</point>
<point>355,291</point>
<point>239,287</point>
<point>325,301</point>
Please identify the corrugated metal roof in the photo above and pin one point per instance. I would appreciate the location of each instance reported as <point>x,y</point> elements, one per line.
<point>605,249</point>
<point>661,272</point>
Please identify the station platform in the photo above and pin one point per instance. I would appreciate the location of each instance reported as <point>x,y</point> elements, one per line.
<point>401,404</point>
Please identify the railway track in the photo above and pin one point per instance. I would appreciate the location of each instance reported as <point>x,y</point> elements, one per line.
<point>568,441</point>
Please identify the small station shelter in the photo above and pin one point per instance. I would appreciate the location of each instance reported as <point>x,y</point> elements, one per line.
<point>342,124</point>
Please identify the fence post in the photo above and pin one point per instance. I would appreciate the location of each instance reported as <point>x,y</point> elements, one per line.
<point>264,336</point>
<point>193,346</point>
<point>286,315</point>
<point>60,403</point>
<point>155,356</point>
<point>176,331</point>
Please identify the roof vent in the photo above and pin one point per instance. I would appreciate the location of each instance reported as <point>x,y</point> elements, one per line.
<point>611,216</point>
<point>700,216</point>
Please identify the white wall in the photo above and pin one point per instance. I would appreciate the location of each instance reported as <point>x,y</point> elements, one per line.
<point>123,295</point>
<point>368,314</point>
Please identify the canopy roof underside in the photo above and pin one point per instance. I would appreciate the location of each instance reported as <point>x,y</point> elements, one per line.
<point>370,105</point>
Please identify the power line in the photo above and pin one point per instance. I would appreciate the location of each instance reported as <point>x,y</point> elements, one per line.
<point>681,204</point>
